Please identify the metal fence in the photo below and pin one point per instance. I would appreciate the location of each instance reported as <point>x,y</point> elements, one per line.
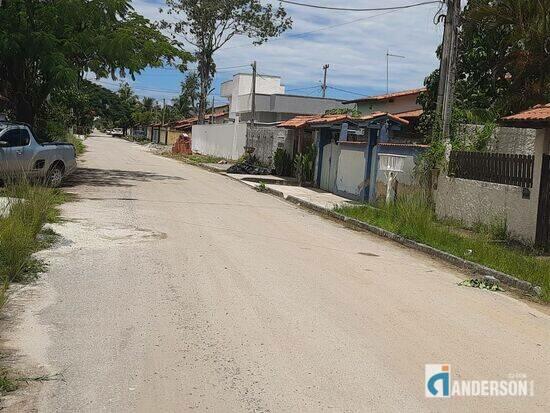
<point>493,167</point>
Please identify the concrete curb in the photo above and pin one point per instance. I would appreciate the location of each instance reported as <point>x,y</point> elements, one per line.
<point>477,269</point>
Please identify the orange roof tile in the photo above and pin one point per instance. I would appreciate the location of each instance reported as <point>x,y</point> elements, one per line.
<point>303,121</point>
<point>410,114</point>
<point>536,114</point>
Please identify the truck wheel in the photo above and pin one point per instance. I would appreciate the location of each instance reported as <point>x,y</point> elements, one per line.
<point>55,176</point>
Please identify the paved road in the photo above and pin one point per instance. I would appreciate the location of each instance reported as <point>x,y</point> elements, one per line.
<point>177,289</point>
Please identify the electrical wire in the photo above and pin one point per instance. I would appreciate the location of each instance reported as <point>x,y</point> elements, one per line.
<point>316,6</point>
<point>346,91</point>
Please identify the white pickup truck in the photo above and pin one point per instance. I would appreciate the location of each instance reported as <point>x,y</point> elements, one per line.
<point>22,154</point>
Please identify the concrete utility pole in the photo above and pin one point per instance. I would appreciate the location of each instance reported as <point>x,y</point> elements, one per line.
<point>163,110</point>
<point>447,72</point>
<point>324,87</point>
<point>213,102</point>
<point>253,93</point>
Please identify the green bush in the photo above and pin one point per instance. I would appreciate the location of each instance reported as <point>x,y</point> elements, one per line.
<point>282,162</point>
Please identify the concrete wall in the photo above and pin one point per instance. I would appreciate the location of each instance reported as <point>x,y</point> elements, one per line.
<point>516,141</point>
<point>267,140</point>
<point>227,140</point>
<point>474,201</point>
<point>407,181</point>
<point>352,162</point>
<point>483,202</point>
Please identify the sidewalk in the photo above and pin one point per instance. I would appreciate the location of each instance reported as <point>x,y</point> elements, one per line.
<point>315,196</point>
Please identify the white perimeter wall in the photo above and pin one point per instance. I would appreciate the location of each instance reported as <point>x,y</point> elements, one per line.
<point>227,140</point>
<point>476,201</point>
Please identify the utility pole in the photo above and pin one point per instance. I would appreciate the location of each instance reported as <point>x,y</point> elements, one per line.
<point>447,72</point>
<point>388,55</point>
<point>213,102</point>
<point>163,110</point>
<point>324,87</point>
<point>253,93</point>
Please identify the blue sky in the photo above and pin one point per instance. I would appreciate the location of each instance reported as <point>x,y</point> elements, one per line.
<point>354,44</point>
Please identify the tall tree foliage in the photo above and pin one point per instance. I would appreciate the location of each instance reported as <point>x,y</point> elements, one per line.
<point>503,61</point>
<point>210,24</point>
<point>48,45</point>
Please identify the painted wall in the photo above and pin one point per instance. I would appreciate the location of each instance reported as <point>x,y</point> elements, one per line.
<point>350,178</point>
<point>474,201</point>
<point>275,108</point>
<point>483,202</point>
<point>241,84</point>
<point>227,140</point>
<point>399,104</point>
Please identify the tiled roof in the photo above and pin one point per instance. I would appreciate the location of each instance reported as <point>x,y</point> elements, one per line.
<point>305,121</point>
<point>297,121</point>
<point>537,114</point>
<point>387,96</point>
<point>410,114</point>
<point>186,123</point>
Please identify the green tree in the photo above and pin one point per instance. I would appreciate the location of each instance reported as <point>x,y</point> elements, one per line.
<point>49,45</point>
<point>503,63</point>
<point>186,104</point>
<point>209,24</point>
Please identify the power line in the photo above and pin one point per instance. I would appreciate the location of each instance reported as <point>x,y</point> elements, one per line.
<point>316,6</point>
<point>332,26</point>
<point>346,91</point>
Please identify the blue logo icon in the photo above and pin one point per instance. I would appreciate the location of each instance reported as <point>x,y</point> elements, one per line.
<point>438,380</point>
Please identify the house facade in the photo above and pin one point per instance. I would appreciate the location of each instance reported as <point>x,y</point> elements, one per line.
<point>350,150</point>
<point>272,103</point>
<point>403,102</point>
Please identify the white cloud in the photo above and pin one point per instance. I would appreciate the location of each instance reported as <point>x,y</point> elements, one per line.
<point>355,51</point>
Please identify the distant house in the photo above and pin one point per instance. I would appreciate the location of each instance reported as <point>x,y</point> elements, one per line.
<point>509,184</point>
<point>395,102</point>
<point>349,150</point>
<point>273,104</point>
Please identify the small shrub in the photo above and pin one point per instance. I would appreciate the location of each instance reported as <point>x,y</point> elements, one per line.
<point>282,162</point>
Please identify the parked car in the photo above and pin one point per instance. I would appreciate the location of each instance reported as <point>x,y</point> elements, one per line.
<point>22,154</point>
<point>117,132</point>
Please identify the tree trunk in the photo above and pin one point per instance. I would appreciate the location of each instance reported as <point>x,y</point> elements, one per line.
<point>24,111</point>
<point>205,66</point>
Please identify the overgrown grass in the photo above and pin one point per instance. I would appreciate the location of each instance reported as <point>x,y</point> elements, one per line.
<point>78,143</point>
<point>194,158</point>
<point>30,207</point>
<point>6,384</point>
<point>413,217</point>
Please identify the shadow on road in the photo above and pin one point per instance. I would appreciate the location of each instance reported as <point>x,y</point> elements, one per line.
<point>114,177</point>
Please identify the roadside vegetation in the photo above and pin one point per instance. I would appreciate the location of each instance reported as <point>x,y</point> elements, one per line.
<point>78,143</point>
<point>29,207</point>
<point>413,217</point>
<point>22,233</point>
<point>195,158</point>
